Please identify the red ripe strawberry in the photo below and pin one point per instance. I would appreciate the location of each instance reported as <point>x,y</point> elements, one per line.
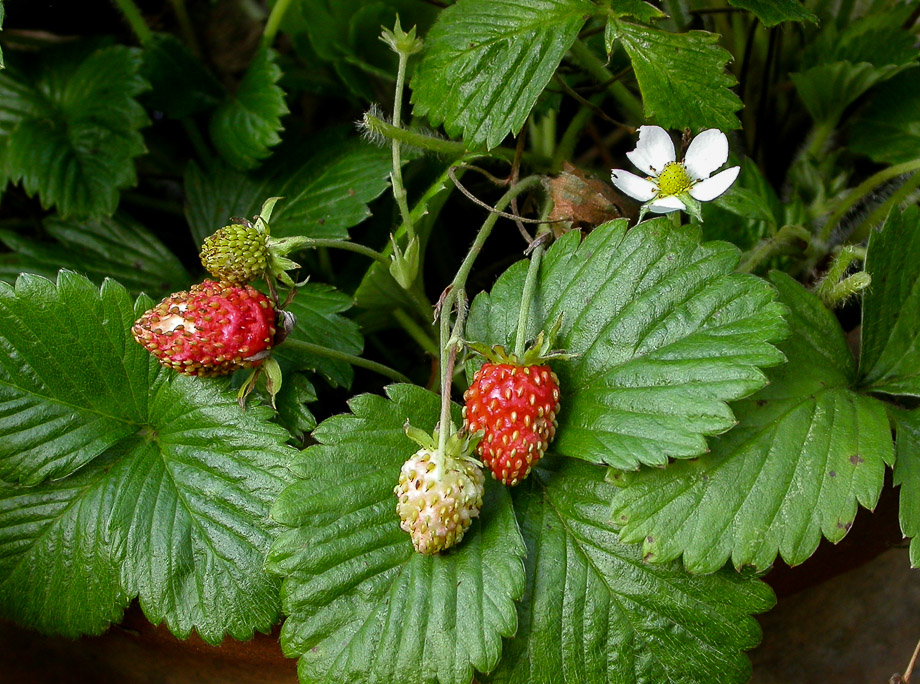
<point>516,407</point>
<point>214,328</point>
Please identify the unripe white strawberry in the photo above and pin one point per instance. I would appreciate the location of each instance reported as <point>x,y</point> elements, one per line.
<point>438,497</point>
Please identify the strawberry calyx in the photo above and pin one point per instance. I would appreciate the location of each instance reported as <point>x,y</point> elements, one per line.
<point>537,354</point>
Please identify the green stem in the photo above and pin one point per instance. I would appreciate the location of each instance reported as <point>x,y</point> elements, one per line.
<point>447,356</point>
<point>416,332</point>
<point>596,68</point>
<point>136,20</point>
<point>457,295</point>
<point>399,190</point>
<point>274,21</point>
<point>185,26</point>
<point>819,135</point>
<point>675,10</point>
<point>860,191</point>
<point>329,353</point>
<point>880,213</point>
<point>530,287</point>
<point>787,236</point>
<point>463,273</point>
<point>378,127</point>
<point>316,243</point>
<point>565,150</point>
<point>198,142</point>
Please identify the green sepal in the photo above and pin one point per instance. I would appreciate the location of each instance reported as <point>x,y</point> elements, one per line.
<point>402,42</point>
<point>272,378</point>
<point>537,354</point>
<point>265,213</point>
<point>691,205</point>
<point>404,265</point>
<point>460,445</point>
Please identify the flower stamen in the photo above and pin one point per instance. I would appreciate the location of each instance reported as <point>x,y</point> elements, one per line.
<point>673,179</point>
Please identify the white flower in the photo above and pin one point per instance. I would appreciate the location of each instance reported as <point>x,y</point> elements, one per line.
<point>672,185</point>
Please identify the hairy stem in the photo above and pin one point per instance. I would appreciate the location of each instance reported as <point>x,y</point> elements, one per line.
<point>329,353</point>
<point>861,232</point>
<point>787,236</point>
<point>134,18</point>
<point>860,191</point>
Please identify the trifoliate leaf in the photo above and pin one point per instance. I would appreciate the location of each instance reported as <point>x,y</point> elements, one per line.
<point>807,449</point>
<point>362,605</point>
<point>175,484</point>
<point>324,194</point>
<point>907,476</point>
<point>593,611</point>
<point>890,358</point>
<point>773,12</point>
<point>244,127</point>
<point>180,85</point>
<point>681,75</point>
<point>317,308</point>
<point>117,247</point>
<point>59,573</point>
<point>888,129</point>
<point>487,61</point>
<point>71,133</point>
<point>662,334</point>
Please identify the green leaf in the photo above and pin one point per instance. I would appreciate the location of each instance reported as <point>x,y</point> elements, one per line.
<point>116,247</point>
<point>807,448</point>
<point>593,611</point>
<point>487,61</point>
<point>317,308</point>
<point>907,477</point>
<point>244,127</point>
<point>354,588</point>
<point>324,195</point>
<point>180,84</point>
<point>663,335</point>
<point>296,392</point>
<point>681,75</point>
<point>828,89</point>
<point>890,359</point>
<point>71,133</point>
<point>59,573</point>
<point>773,12</point>
<point>888,129</point>
<point>641,10</point>
<point>174,481</point>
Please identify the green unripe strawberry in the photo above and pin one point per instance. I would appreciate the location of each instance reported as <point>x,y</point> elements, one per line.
<point>236,253</point>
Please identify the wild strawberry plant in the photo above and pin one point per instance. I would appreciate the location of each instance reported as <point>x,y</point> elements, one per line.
<point>723,384</point>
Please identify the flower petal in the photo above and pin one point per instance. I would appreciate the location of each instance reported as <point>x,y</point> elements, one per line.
<point>707,152</point>
<point>640,188</point>
<point>665,205</point>
<point>711,188</point>
<point>654,149</point>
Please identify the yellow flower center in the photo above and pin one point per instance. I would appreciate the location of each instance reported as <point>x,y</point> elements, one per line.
<point>673,179</point>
